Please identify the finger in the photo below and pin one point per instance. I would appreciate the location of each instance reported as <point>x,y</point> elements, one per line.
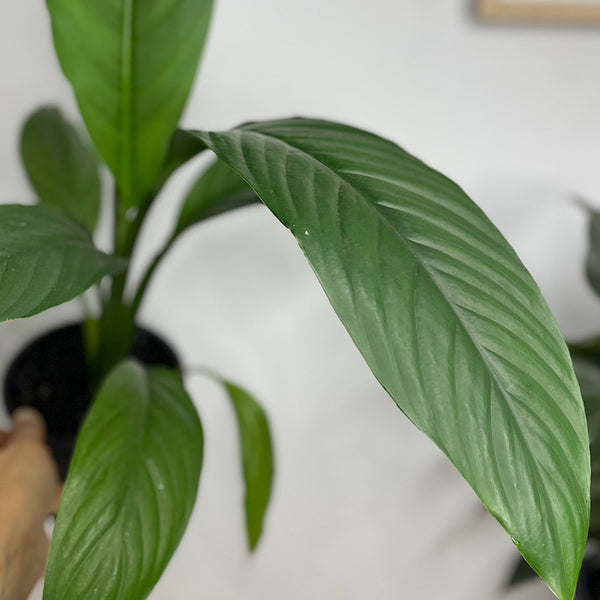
<point>4,436</point>
<point>57,498</point>
<point>28,424</point>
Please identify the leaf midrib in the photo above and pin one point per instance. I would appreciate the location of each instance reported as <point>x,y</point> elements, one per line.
<point>126,97</point>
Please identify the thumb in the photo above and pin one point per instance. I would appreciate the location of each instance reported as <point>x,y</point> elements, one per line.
<point>28,424</point>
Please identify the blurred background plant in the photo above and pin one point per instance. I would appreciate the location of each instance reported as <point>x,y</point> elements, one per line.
<point>586,362</point>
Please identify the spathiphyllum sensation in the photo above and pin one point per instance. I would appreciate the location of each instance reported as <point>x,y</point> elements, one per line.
<point>444,313</point>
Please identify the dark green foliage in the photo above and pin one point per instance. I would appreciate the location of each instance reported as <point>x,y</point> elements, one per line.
<point>130,490</point>
<point>446,316</point>
<point>257,459</point>
<point>61,166</point>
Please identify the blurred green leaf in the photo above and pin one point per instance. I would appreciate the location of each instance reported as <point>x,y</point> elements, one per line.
<point>61,166</point>
<point>257,459</point>
<point>131,64</point>
<point>593,256</point>
<point>183,147</point>
<point>46,258</point>
<point>588,375</point>
<point>130,490</point>
<point>219,189</point>
<point>587,369</point>
<point>522,572</point>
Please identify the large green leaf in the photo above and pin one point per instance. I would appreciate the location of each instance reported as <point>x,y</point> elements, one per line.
<point>61,166</point>
<point>131,64</point>
<point>218,190</point>
<point>46,258</point>
<point>257,459</point>
<point>130,490</point>
<point>446,316</point>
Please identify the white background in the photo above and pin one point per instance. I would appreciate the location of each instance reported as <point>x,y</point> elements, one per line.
<point>364,505</point>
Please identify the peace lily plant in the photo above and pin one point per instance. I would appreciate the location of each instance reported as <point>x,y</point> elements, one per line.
<point>444,313</point>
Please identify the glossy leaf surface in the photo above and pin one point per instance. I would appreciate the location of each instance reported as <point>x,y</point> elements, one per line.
<point>130,490</point>
<point>257,459</point>
<point>218,190</point>
<point>61,166</point>
<point>46,258</point>
<point>131,64</point>
<point>446,316</point>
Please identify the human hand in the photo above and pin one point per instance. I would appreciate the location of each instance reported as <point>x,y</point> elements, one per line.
<point>29,492</point>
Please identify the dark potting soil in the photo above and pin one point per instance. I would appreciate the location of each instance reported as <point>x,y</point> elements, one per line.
<point>51,375</point>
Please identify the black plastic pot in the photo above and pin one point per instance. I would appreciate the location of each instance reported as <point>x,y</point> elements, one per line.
<point>50,374</point>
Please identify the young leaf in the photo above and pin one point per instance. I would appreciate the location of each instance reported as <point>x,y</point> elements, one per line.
<point>131,64</point>
<point>46,258</point>
<point>257,459</point>
<point>61,166</point>
<point>593,257</point>
<point>218,190</point>
<point>130,490</point>
<point>183,147</point>
<point>446,316</point>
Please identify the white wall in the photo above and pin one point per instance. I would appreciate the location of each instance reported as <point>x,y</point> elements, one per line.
<point>364,506</point>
